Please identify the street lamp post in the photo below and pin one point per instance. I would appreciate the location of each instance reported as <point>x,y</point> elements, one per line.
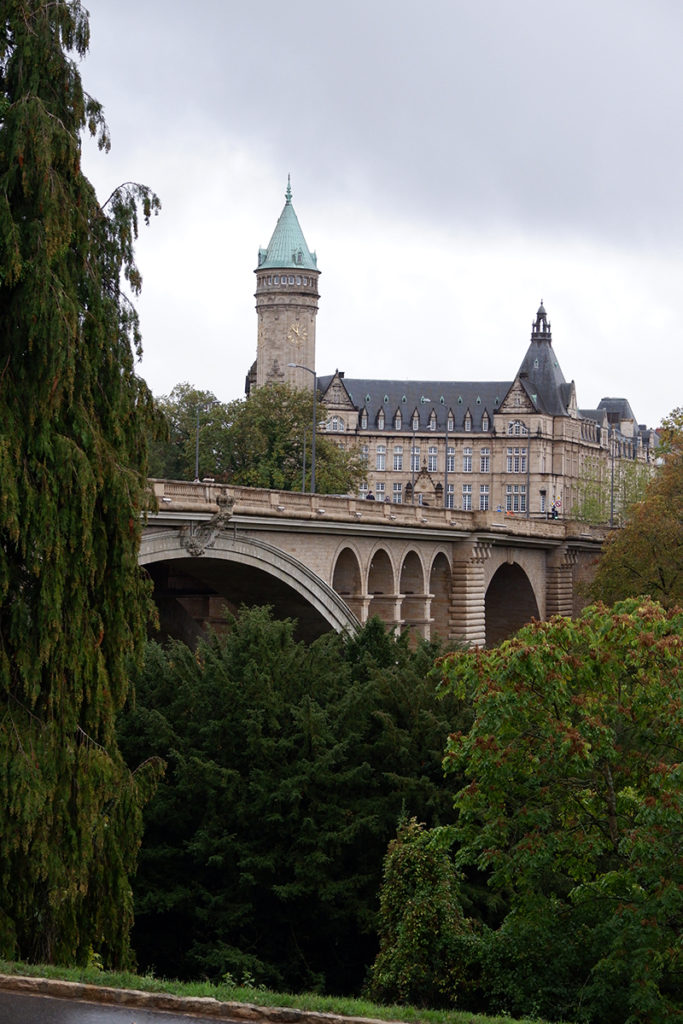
<point>299,366</point>
<point>206,407</point>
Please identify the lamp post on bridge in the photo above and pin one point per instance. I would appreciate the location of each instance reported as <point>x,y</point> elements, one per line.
<point>299,366</point>
<point>206,407</point>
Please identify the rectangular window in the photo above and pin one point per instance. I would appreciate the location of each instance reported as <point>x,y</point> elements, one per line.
<point>381,457</point>
<point>515,498</point>
<point>467,460</point>
<point>363,490</point>
<point>543,506</point>
<point>484,498</point>
<point>450,495</point>
<point>415,458</point>
<point>485,460</point>
<point>431,458</point>
<point>467,497</point>
<point>398,457</point>
<point>364,450</point>
<point>379,491</point>
<point>398,493</point>
<point>450,459</point>
<point>516,460</point>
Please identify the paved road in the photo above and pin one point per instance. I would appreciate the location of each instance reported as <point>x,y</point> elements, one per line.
<point>28,1009</point>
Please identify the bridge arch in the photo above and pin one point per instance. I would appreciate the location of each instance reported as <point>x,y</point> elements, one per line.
<point>381,587</point>
<point>415,600</point>
<point>440,581</point>
<point>510,603</point>
<point>243,570</point>
<point>346,579</point>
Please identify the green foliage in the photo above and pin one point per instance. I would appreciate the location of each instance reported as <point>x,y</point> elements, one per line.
<point>573,808</point>
<point>646,555</point>
<point>288,767</point>
<point>424,938</point>
<point>262,441</point>
<point>188,414</point>
<point>606,492</point>
<point>267,435</point>
<point>72,472</point>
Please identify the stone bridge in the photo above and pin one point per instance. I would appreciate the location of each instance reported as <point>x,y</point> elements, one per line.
<point>332,562</point>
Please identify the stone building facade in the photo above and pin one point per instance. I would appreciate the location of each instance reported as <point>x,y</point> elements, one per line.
<point>522,446</point>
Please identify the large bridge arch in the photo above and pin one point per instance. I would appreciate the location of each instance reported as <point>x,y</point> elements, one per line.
<point>242,570</point>
<point>509,604</point>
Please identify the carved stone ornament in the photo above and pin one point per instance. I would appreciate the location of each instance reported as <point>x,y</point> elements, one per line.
<point>197,537</point>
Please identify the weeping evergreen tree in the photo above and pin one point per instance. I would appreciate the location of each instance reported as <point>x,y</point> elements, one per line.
<point>72,484</point>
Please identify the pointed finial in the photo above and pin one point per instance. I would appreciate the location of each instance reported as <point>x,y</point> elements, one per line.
<point>288,193</point>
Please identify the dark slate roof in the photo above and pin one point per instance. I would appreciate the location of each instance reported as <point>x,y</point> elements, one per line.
<point>540,371</point>
<point>424,395</point>
<point>617,409</point>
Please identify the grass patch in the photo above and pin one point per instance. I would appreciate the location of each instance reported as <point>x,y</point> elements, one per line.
<point>342,1005</point>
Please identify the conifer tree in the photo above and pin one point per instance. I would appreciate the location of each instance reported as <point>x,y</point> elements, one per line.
<point>72,485</point>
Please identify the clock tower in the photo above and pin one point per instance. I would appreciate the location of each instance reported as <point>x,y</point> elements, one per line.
<point>286,304</point>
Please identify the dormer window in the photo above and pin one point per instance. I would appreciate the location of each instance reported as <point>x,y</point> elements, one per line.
<point>416,420</point>
<point>468,421</point>
<point>432,420</point>
<point>364,419</point>
<point>450,422</point>
<point>380,420</point>
<point>398,420</point>
<point>485,421</point>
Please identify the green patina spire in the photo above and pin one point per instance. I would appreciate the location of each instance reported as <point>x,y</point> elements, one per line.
<point>287,248</point>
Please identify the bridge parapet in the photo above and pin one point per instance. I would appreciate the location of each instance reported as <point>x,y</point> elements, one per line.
<point>203,497</point>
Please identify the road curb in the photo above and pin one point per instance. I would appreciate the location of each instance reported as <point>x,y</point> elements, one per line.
<point>199,1006</point>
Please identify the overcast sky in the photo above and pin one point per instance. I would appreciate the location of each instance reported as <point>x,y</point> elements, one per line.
<point>452,163</point>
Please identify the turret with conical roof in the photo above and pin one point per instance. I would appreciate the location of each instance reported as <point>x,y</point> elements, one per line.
<point>286,303</point>
<point>540,372</point>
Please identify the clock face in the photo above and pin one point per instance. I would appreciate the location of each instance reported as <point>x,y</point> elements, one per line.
<point>297,333</point>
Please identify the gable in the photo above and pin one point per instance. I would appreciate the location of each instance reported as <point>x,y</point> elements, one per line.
<point>336,396</point>
<point>516,400</point>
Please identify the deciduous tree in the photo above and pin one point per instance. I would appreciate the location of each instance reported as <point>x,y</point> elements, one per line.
<point>261,441</point>
<point>72,480</point>
<point>196,424</point>
<point>645,556</point>
<point>574,808</point>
